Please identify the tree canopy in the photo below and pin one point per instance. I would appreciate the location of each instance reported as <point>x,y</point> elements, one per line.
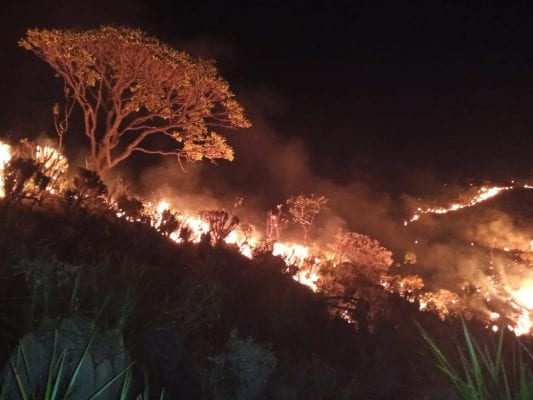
<point>131,87</point>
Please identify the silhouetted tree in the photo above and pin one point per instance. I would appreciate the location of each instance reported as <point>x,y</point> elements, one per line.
<point>169,223</point>
<point>220,224</point>
<point>21,179</point>
<point>275,224</point>
<point>132,207</point>
<point>87,190</point>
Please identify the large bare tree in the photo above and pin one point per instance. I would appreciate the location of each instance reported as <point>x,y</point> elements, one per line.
<point>131,87</point>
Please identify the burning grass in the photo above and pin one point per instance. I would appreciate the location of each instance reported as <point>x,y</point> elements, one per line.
<point>176,283</point>
<point>38,174</point>
<point>177,304</point>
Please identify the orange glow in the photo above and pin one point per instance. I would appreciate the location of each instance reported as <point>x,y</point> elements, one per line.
<point>291,253</point>
<point>5,156</point>
<point>523,301</point>
<point>517,311</point>
<point>523,324</point>
<point>484,193</point>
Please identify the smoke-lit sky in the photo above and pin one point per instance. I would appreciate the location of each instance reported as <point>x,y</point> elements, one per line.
<point>393,93</point>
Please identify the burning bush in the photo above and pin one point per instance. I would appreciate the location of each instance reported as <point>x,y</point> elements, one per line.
<point>221,224</point>
<point>31,172</point>
<point>87,190</point>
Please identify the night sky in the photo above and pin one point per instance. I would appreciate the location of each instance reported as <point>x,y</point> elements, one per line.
<point>387,93</point>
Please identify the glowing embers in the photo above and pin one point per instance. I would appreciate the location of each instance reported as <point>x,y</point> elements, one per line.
<point>443,302</point>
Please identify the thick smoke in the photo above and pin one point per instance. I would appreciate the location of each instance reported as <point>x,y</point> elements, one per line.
<point>270,167</point>
<point>463,251</point>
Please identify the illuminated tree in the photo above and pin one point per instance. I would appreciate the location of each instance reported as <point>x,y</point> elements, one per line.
<point>408,286</point>
<point>410,258</point>
<point>275,224</point>
<point>130,88</point>
<point>304,210</point>
<point>366,254</point>
<point>352,284</point>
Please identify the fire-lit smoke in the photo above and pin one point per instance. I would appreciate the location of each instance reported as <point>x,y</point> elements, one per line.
<point>489,251</point>
<point>494,259</point>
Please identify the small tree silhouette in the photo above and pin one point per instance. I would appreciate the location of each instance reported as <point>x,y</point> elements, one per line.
<point>275,224</point>
<point>88,189</point>
<point>221,224</point>
<point>304,209</point>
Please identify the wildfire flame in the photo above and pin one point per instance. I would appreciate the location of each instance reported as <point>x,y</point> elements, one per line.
<point>523,299</point>
<point>307,260</point>
<point>5,156</point>
<point>291,253</point>
<point>484,193</point>
<point>520,299</point>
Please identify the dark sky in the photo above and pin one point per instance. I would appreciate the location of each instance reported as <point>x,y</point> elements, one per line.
<point>387,88</point>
